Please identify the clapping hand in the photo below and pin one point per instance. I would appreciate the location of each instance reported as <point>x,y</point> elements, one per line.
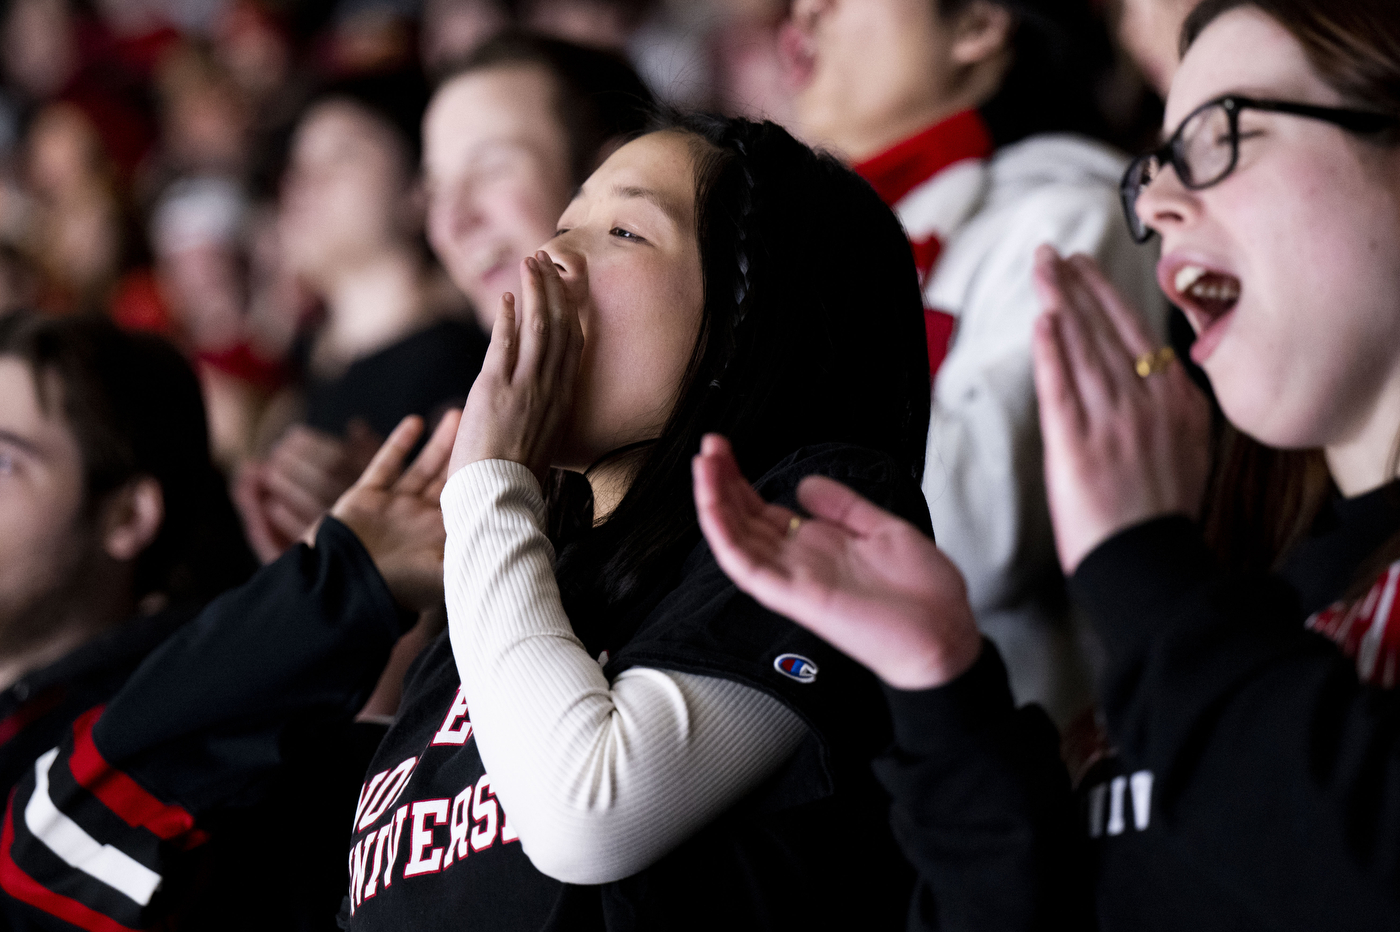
<point>1126,432</point>
<point>299,481</point>
<point>870,583</point>
<point>395,512</point>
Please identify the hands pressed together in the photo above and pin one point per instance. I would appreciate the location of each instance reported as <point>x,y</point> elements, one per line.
<point>1121,446</point>
<point>1126,440</point>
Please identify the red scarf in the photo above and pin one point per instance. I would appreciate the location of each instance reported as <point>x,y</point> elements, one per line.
<point>907,165</point>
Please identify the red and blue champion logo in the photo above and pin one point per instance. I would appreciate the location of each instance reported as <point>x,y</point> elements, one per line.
<point>795,666</point>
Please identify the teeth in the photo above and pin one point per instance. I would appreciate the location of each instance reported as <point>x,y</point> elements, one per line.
<point>1187,276</point>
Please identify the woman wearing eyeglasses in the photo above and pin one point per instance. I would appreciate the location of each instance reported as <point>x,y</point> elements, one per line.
<point>1252,780</point>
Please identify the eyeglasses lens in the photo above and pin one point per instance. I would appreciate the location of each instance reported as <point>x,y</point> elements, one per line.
<point>1206,148</point>
<point>1204,153</point>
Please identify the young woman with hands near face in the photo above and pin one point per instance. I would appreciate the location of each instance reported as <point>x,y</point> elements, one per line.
<point>654,736</point>
<point>1253,777</point>
<point>609,734</point>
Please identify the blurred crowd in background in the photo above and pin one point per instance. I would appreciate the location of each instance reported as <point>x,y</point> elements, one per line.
<point>148,168</point>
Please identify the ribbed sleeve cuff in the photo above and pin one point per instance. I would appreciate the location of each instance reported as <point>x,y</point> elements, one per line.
<point>1133,584</point>
<point>478,486</point>
<point>937,721</point>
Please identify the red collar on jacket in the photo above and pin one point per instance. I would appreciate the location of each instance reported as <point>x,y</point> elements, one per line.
<point>907,164</point>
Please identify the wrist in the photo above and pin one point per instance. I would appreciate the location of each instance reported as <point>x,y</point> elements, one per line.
<point>939,661</point>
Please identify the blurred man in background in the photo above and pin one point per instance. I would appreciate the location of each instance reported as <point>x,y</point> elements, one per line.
<point>116,524</point>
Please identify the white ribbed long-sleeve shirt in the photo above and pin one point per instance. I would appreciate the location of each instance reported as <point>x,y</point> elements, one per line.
<point>600,779</point>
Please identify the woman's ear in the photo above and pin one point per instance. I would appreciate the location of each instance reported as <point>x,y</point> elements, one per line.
<point>982,31</point>
<point>131,518</point>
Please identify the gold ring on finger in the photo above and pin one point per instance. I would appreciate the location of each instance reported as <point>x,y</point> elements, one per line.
<point>793,524</point>
<point>1155,361</point>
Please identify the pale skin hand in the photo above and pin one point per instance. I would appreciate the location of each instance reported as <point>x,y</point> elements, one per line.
<point>868,582</point>
<point>395,512</point>
<point>519,406</point>
<point>1119,449</point>
<point>299,481</point>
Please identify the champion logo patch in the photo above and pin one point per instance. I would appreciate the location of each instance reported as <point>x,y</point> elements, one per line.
<point>796,667</point>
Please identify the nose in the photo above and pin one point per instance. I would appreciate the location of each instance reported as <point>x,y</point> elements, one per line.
<point>1167,203</point>
<point>464,215</point>
<point>572,266</point>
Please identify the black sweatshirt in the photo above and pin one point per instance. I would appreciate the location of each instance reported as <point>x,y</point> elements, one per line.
<point>1255,784</point>
<point>256,681</point>
<point>432,848</point>
<point>114,830</point>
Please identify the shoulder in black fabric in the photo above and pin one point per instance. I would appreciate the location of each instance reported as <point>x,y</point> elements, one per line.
<point>814,840</point>
<point>430,369</point>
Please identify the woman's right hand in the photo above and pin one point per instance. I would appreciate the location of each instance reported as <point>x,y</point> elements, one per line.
<point>870,583</point>
<point>395,512</point>
<point>519,405</point>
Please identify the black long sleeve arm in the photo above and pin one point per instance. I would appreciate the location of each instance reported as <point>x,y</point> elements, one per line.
<point>982,807</point>
<point>99,834</point>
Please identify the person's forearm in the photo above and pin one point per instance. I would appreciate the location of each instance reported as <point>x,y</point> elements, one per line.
<point>1268,754</point>
<point>111,815</point>
<point>982,807</point>
<point>600,779</point>
<point>306,637</point>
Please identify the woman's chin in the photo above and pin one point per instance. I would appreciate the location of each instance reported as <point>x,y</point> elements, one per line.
<point>1263,415</point>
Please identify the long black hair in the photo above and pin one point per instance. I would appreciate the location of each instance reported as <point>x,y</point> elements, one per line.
<point>812,331</point>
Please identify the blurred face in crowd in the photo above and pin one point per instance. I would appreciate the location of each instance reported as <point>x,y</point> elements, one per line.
<point>1289,268</point>
<point>345,196</point>
<point>498,175</point>
<point>54,548</point>
<point>631,264</point>
<point>453,29</point>
<point>596,23</point>
<point>1150,31</point>
<point>928,66</point>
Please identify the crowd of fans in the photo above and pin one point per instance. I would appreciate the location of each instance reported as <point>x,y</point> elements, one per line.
<point>644,464</point>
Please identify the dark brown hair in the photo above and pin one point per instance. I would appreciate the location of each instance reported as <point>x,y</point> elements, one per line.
<point>135,409</point>
<point>1262,500</point>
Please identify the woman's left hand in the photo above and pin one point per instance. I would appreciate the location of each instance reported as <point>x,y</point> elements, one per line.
<point>865,580</point>
<point>1126,432</point>
<point>519,406</point>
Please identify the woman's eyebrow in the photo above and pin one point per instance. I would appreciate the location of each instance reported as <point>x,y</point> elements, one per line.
<point>665,204</point>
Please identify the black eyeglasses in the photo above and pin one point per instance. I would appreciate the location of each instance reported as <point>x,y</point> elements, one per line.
<point>1206,146</point>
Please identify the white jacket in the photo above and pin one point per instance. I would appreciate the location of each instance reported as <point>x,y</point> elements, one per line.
<point>984,473</point>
